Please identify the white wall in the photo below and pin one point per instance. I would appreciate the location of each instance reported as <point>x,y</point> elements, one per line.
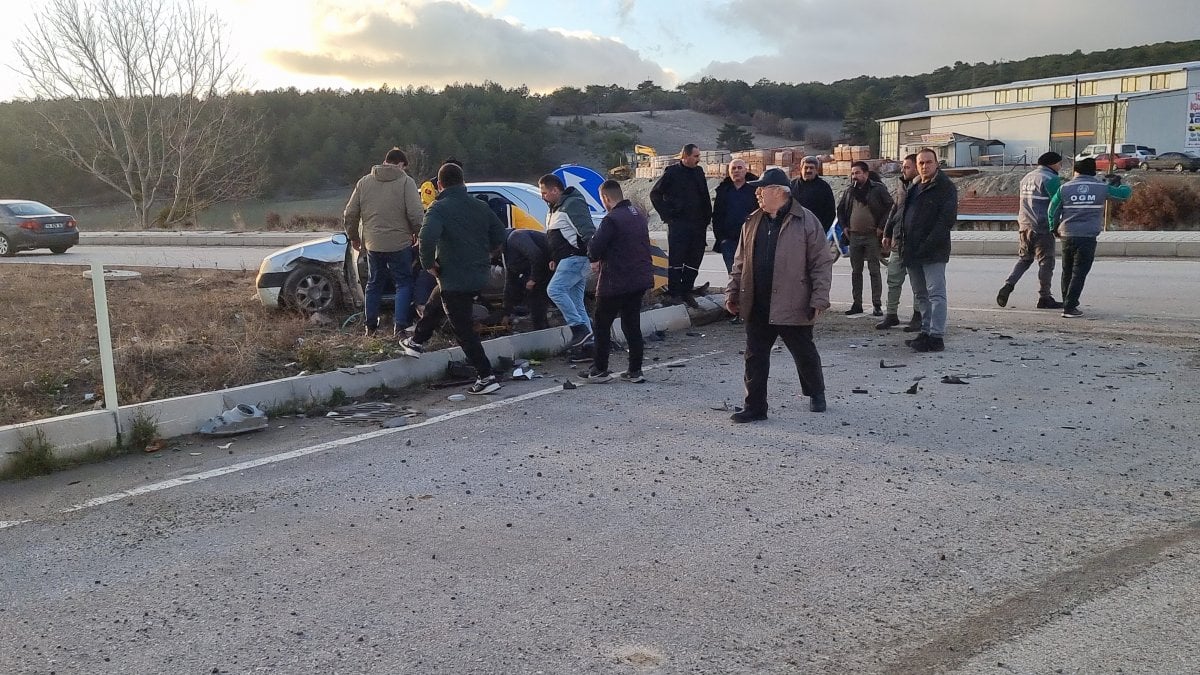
<point>1017,129</point>
<point>1158,121</point>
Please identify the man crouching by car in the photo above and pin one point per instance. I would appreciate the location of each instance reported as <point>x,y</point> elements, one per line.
<point>779,286</point>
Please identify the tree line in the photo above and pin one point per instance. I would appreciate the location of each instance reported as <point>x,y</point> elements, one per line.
<point>327,138</point>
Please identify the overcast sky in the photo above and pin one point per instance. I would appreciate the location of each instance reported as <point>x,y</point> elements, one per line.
<point>546,44</point>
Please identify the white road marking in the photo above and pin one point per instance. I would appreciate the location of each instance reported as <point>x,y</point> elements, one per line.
<point>321,447</point>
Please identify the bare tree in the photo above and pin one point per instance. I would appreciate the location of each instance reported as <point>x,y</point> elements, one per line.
<point>142,94</point>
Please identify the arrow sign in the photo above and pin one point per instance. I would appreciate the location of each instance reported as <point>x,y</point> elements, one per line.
<point>586,181</point>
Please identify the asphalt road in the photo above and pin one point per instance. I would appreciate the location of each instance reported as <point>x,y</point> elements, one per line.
<point>1041,517</point>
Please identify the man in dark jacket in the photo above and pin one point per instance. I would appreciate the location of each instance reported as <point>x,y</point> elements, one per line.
<point>734,202</point>
<point>681,199</point>
<point>620,254</point>
<point>863,211</point>
<point>930,209</point>
<point>568,228</point>
<point>814,193</point>
<point>527,258</point>
<point>458,240</point>
<point>780,286</point>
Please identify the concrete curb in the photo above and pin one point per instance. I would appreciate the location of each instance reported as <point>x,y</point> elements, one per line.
<point>72,436</point>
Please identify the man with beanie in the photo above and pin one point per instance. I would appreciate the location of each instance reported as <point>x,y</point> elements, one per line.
<point>863,211</point>
<point>814,193</point>
<point>1077,216</point>
<point>780,286</point>
<point>1037,188</point>
<point>383,216</point>
<point>681,199</point>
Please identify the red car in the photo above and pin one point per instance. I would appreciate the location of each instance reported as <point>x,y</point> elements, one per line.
<point>1106,163</point>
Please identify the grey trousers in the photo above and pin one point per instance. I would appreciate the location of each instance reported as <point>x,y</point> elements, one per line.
<point>1039,245</point>
<point>896,273</point>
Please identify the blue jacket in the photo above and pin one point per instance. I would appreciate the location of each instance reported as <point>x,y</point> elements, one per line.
<point>622,247</point>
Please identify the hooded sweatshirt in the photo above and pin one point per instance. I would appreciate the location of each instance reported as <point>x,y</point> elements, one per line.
<point>385,210</point>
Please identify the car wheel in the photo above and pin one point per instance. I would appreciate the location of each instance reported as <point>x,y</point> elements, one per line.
<point>311,289</point>
<point>1178,168</point>
<point>6,247</point>
<point>59,250</point>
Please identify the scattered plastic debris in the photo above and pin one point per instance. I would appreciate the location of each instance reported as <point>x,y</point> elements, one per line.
<point>239,419</point>
<point>456,397</point>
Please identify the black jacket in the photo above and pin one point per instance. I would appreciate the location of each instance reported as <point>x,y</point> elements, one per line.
<point>731,207</point>
<point>622,247</point>
<point>930,210</point>
<point>878,201</point>
<point>681,196</point>
<point>816,196</point>
<point>527,254</point>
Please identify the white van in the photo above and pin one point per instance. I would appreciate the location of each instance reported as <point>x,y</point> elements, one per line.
<point>1127,149</point>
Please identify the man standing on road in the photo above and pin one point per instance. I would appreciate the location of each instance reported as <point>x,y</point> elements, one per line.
<point>620,254</point>
<point>734,202</point>
<point>681,198</point>
<point>863,212</point>
<point>814,193</point>
<point>458,240</point>
<point>568,228</point>
<point>892,241</point>
<point>1077,215</point>
<point>1037,188</point>
<point>527,258</point>
<point>930,210</point>
<point>780,286</point>
<point>383,216</point>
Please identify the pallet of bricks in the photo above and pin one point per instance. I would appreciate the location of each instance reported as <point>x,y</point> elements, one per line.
<point>756,160</point>
<point>714,163</point>
<point>844,155</point>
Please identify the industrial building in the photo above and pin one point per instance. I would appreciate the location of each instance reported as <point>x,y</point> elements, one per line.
<point>1155,106</point>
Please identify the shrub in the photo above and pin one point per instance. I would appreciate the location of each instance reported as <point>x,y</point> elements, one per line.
<point>1160,205</point>
<point>310,221</point>
<point>274,220</point>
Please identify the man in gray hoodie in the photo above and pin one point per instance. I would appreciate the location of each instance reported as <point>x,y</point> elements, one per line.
<point>383,217</point>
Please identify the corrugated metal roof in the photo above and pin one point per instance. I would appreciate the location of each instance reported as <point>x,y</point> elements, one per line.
<point>1024,105</point>
<point>1067,79</point>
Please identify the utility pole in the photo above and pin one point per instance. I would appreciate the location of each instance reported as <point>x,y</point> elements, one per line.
<point>1075,125</point>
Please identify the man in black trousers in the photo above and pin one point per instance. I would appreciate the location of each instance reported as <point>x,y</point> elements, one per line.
<point>681,199</point>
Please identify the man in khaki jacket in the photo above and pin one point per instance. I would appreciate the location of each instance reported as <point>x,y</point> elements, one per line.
<point>779,286</point>
<point>383,217</point>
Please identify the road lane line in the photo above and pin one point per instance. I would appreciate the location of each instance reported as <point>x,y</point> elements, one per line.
<point>321,447</point>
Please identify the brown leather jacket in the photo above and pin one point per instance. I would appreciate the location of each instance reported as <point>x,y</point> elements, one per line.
<point>803,269</point>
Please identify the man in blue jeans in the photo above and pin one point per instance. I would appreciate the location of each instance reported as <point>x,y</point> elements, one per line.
<point>569,227</point>
<point>930,210</point>
<point>383,217</point>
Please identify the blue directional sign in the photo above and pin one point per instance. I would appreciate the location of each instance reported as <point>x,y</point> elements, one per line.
<point>586,181</point>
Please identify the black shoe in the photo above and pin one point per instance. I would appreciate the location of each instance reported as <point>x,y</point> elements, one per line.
<point>583,354</point>
<point>690,301</point>
<point>888,321</point>
<point>594,376</point>
<point>1049,302</point>
<point>1002,296</point>
<point>919,340</point>
<point>931,344</point>
<point>702,290</point>
<point>742,416</point>
<point>579,335</point>
<point>914,324</point>
<point>854,309</point>
<point>817,403</point>
<point>633,376</point>
<point>412,348</point>
<point>1071,313</point>
<point>877,311</point>
<point>484,385</point>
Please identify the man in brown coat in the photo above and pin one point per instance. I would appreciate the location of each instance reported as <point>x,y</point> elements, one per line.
<point>779,286</point>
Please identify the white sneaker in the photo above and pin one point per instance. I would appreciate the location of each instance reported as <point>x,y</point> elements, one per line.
<point>487,385</point>
<point>412,348</point>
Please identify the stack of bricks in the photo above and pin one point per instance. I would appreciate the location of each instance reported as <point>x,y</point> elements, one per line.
<point>844,155</point>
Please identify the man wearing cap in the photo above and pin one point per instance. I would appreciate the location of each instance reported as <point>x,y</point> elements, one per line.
<point>1037,188</point>
<point>1077,215</point>
<point>779,286</point>
<point>814,193</point>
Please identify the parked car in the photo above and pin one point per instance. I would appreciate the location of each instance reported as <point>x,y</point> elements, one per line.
<point>1106,163</point>
<point>1144,153</point>
<point>1096,149</point>
<point>26,225</point>
<point>1174,161</point>
<point>323,273</point>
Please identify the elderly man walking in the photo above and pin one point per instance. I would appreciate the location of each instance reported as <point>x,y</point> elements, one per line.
<point>930,210</point>
<point>681,198</point>
<point>1036,240</point>
<point>779,286</point>
<point>383,216</point>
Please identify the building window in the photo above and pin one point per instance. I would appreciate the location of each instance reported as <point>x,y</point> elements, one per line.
<point>1128,84</point>
<point>1004,96</point>
<point>1158,81</point>
<point>964,100</point>
<point>1023,94</point>
<point>945,102</point>
<point>1087,88</point>
<point>1062,91</point>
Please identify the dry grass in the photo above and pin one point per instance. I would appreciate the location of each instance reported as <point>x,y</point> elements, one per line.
<point>175,332</point>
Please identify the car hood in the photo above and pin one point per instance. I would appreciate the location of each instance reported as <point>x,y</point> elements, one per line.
<point>328,249</point>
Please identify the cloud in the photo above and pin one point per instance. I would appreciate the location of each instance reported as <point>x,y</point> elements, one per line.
<point>439,42</point>
<point>814,40</point>
<point>624,10</point>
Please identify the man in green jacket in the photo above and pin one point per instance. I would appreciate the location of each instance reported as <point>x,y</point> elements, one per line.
<point>458,240</point>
